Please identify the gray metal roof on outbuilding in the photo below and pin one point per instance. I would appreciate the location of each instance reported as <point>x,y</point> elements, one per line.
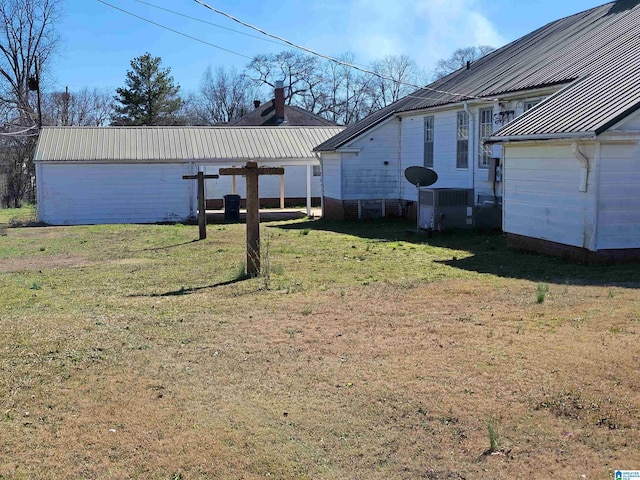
<point>164,144</point>
<point>597,42</point>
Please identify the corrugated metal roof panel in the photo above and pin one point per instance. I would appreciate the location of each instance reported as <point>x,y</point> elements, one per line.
<point>572,48</point>
<point>590,105</point>
<point>152,144</point>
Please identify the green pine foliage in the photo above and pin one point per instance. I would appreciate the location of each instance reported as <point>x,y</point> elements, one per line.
<point>150,96</point>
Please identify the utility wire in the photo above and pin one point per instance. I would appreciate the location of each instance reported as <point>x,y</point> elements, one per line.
<point>335,60</point>
<point>174,31</point>
<point>209,23</point>
<point>326,57</point>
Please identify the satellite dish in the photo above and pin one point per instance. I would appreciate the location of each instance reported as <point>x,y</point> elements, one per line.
<point>421,176</point>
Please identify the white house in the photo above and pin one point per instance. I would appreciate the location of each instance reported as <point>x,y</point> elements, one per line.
<point>567,171</point>
<point>91,175</point>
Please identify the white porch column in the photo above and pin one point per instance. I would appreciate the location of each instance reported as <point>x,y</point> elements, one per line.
<point>281,191</point>
<point>309,173</point>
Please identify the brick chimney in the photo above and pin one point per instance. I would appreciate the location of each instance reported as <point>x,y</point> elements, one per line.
<point>278,103</point>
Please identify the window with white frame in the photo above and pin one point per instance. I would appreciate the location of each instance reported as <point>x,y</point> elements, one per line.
<point>485,130</point>
<point>317,170</point>
<point>428,142</point>
<point>462,144</point>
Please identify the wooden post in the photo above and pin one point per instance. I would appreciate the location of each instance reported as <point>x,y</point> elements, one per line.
<point>253,225</point>
<point>251,171</point>
<point>202,202</point>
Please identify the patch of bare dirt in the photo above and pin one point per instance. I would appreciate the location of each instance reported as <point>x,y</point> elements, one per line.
<point>41,262</point>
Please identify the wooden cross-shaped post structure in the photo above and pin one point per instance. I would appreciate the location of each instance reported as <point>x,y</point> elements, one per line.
<point>202,214</point>
<point>251,171</point>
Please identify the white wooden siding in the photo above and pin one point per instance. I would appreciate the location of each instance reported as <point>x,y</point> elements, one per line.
<point>541,194</point>
<point>630,123</point>
<point>365,175</point>
<point>444,157</point>
<point>76,194</point>
<point>619,197</point>
<point>332,175</point>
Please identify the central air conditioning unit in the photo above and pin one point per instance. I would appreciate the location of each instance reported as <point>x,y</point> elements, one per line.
<point>443,208</point>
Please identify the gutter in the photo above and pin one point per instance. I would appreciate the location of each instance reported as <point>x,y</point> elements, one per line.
<point>543,136</point>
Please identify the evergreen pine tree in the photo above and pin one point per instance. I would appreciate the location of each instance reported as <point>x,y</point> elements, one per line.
<point>150,96</point>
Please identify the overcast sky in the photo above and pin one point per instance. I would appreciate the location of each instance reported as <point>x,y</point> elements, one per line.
<point>99,41</point>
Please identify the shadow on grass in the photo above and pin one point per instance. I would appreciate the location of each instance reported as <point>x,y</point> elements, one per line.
<point>488,253</point>
<point>167,247</point>
<point>188,291</point>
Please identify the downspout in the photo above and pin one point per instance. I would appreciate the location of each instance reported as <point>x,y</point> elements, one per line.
<point>584,169</point>
<point>596,228</point>
<point>472,149</point>
<point>400,176</point>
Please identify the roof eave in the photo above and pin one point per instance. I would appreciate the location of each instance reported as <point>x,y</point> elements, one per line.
<point>352,137</point>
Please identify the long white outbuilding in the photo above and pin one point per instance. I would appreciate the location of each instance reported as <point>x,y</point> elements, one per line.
<point>94,175</point>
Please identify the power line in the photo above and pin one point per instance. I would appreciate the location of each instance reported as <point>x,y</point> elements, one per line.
<point>209,23</point>
<point>174,31</point>
<point>326,57</point>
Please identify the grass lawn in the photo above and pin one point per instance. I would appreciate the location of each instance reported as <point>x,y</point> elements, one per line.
<point>14,216</point>
<point>131,351</point>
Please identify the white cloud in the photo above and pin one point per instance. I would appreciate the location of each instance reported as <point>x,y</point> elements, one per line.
<point>426,30</point>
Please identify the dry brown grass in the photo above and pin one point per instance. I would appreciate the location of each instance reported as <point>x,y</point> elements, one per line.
<point>132,363</point>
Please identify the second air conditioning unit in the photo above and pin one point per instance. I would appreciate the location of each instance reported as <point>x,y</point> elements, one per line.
<point>443,208</point>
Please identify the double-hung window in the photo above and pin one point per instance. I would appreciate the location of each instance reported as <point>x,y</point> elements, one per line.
<point>486,129</point>
<point>428,142</point>
<point>462,144</point>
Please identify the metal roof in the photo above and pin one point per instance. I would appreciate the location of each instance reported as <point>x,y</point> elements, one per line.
<point>164,144</point>
<point>598,42</point>
<point>265,116</point>
<point>587,107</point>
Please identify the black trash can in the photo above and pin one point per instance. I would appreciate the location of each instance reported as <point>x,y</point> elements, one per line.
<point>232,207</point>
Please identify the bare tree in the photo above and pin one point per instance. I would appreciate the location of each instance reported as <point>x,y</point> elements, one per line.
<point>224,95</point>
<point>83,108</point>
<point>335,90</point>
<point>351,93</point>
<point>459,59</point>
<point>27,41</point>
<point>396,78</point>
<point>298,71</point>
<point>17,158</point>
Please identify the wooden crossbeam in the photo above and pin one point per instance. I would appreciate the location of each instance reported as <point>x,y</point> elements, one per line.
<point>251,171</point>
<point>202,214</point>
